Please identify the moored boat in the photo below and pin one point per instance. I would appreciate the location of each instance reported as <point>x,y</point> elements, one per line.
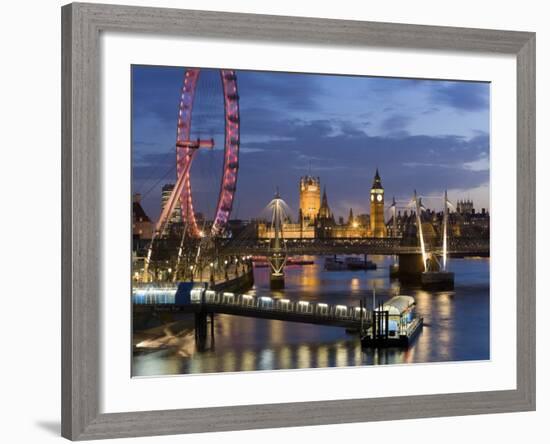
<point>356,263</point>
<point>335,264</point>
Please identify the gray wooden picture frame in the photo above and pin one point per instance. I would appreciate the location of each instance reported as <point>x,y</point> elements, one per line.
<point>81,231</point>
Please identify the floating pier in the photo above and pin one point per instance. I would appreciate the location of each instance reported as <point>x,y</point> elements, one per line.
<point>394,324</point>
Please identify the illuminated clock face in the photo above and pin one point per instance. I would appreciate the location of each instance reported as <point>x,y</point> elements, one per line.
<point>379,197</point>
<point>372,197</point>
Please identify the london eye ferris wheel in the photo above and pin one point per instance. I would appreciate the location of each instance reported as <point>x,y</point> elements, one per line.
<point>189,142</point>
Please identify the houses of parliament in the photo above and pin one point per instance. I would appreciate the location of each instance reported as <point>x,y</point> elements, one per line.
<point>316,220</point>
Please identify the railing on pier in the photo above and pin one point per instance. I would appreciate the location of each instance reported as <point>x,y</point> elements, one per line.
<point>154,294</point>
<point>352,317</point>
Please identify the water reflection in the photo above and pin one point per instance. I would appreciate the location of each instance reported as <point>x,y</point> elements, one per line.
<point>248,362</point>
<point>285,357</point>
<point>456,326</point>
<point>322,357</point>
<point>303,356</point>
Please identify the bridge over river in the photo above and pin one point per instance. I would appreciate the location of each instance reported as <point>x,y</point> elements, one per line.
<point>382,246</point>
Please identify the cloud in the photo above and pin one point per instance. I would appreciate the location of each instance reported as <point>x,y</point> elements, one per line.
<point>351,129</point>
<point>346,164</point>
<point>295,92</point>
<point>141,143</point>
<point>481,164</point>
<point>156,90</point>
<point>289,122</point>
<point>395,123</point>
<point>464,96</point>
<point>245,150</point>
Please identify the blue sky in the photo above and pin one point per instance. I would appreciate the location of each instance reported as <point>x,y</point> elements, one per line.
<point>428,135</point>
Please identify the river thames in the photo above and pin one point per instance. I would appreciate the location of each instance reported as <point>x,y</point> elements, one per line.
<point>456,325</point>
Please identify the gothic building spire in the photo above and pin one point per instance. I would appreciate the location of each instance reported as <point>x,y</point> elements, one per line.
<point>324,211</point>
<point>377,183</point>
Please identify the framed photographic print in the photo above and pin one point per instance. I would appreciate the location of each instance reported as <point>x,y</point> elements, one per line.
<point>277,221</point>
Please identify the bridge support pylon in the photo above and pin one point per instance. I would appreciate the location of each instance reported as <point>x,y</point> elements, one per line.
<point>201,329</point>
<point>200,325</point>
<point>277,257</point>
<point>277,273</point>
<point>438,280</point>
<point>410,268</point>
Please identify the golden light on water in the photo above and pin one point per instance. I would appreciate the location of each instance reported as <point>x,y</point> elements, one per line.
<point>444,304</point>
<point>309,278</point>
<point>229,361</point>
<point>341,357</point>
<point>304,356</point>
<point>322,356</point>
<point>277,331</point>
<point>248,361</point>
<point>358,355</point>
<point>445,314</point>
<point>285,357</point>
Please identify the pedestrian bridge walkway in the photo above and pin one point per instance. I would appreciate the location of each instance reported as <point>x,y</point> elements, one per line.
<point>265,307</point>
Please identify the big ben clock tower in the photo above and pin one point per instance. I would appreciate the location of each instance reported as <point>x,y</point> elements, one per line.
<point>377,223</point>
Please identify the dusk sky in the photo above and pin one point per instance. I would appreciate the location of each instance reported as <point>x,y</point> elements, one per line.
<point>427,135</point>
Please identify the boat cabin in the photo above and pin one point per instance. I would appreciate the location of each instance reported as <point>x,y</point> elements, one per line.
<point>400,312</point>
<point>394,323</point>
